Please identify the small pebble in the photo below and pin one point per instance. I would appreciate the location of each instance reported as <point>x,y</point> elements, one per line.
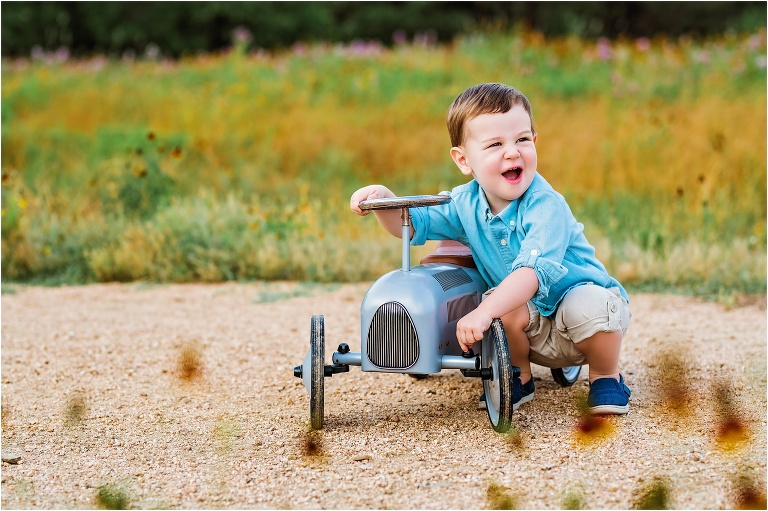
<point>11,458</point>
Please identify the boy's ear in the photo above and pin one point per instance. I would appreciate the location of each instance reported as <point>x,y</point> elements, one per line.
<point>460,159</point>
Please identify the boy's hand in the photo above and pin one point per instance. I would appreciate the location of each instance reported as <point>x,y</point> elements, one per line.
<point>471,327</point>
<point>367,193</point>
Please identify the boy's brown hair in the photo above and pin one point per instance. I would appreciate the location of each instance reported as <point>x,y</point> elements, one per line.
<point>485,98</point>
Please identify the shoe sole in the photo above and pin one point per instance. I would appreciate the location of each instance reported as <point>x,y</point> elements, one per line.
<point>522,401</point>
<point>609,410</point>
<point>484,406</point>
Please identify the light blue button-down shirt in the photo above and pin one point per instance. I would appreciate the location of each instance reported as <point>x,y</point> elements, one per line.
<point>536,230</point>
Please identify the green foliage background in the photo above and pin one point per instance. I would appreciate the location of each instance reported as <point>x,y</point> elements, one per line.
<point>189,28</point>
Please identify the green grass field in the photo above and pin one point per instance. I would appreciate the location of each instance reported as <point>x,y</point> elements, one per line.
<point>240,166</point>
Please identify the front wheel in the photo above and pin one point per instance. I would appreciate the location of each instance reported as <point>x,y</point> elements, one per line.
<point>494,355</point>
<point>317,378</point>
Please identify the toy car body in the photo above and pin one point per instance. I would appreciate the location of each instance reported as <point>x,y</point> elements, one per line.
<point>408,325</point>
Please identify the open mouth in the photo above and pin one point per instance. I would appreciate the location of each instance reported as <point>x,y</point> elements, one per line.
<point>513,174</point>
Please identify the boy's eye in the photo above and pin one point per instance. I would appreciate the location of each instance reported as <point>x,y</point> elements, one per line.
<point>523,139</point>
<point>495,144</point>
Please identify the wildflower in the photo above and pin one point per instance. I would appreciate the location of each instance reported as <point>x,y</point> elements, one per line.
<point>299,48</point>
<point>604,51</point>
<point>37,52</point>
<point>152,51</point>
<point>643,44</point>
<point>61,55</point>
<point>701,57</point>
<point>399,37</point>
<point>755,41</point>
<point>241,36</point>
<point>426,39</point>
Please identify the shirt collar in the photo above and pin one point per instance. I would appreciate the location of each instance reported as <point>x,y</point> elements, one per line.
<point>508,215</point>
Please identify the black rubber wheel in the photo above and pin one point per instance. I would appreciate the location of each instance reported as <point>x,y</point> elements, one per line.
<point>317,384</point>
<point>566,376</point>
<point>494,354</point>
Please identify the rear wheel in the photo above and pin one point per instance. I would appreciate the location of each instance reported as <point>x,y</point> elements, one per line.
<point>494,355</point>
<point>566,376</point>
<point>317,382</point>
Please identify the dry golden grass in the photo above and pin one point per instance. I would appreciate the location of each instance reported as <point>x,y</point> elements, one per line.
<point>659,148</point>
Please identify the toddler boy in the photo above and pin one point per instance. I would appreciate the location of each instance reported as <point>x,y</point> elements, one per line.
<point>556,300</point>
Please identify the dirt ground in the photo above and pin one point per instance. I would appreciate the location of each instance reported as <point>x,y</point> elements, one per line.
<point>183,396</point>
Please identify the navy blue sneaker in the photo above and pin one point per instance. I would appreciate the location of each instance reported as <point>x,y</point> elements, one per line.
<point>608,396</point>
<point>521,393</point>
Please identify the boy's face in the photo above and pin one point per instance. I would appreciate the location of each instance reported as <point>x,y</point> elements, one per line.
<point>499,151</point>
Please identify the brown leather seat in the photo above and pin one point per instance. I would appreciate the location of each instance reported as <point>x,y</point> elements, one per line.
<point>451,252</point>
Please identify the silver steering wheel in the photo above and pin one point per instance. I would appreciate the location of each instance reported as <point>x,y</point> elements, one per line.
<point>408,201</point>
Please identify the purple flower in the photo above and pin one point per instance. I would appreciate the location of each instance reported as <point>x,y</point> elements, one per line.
<point>643,44</point>
<point>702,57</point>
<point>755,41</point>
<point>399,37</point>
<point>604,51</point>
<point>241,35</point>
<point>426,39</point>
<point>37,52</point>
<point>62,55</point>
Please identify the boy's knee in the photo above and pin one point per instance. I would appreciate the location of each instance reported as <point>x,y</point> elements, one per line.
<point>517,320</point>
<point>589,309</point>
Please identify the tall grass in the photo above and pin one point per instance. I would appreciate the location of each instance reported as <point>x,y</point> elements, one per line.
<point>234,166</point>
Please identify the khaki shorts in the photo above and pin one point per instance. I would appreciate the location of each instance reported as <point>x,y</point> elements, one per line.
<point>584,311</point>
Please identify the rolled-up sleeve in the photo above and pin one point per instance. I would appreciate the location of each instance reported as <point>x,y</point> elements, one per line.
<point>545,241</point>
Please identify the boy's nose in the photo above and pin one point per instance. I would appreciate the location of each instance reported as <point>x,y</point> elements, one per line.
<point>511,151</point>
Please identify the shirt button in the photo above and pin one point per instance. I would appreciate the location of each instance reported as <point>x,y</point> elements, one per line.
<point>504,242</point>
<point>512,224</point>
<point>534,252</point>
<point>613,307</point>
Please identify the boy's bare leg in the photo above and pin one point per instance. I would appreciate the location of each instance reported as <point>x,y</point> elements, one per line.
<point>515,324</point>
<point>602,354</point>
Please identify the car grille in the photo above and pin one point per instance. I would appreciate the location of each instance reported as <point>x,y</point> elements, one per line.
<point>392,341</point>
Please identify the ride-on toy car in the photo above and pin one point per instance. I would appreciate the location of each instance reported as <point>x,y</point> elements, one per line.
<point>408,325</point>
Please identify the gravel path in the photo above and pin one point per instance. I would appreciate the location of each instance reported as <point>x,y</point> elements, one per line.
<point>182,396</point>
